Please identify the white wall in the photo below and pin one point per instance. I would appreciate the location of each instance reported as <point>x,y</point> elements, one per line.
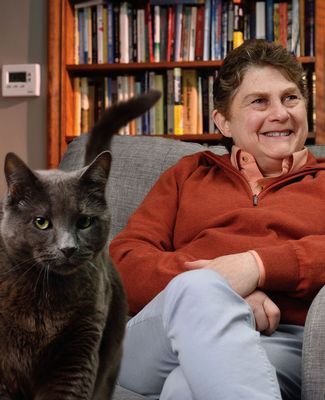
<point>23,39</point>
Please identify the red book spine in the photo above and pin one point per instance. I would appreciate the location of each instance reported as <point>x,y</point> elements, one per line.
<point>199,39</point>
<point>171,33</point>
<point>150,39</point>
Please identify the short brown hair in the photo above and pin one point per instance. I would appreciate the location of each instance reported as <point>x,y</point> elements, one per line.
<point>255,52</point>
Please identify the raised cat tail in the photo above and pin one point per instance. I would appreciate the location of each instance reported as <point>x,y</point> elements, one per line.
<point>114,118</point>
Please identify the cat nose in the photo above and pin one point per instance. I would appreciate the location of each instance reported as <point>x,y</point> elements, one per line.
<point>68,251</point>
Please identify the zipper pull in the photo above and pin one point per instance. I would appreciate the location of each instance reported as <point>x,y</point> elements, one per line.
<point>255,199</point>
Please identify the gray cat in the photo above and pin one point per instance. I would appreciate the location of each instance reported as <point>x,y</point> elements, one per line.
<point>62,305</point>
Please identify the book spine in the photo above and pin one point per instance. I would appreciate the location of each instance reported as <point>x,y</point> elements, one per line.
<point>159,106</point>
<point>207,30</point>
<point>295,40</point>
<point>269,21</point>
<point>100,32</point>
<point>310,28</point>
<point>110,33</point>
<point>178,103</point>
<point>178,31</point>
<point>94,35</point>
<point>190,99</point>
<point>260,26</point>
<point>199,40</point>
<point>156,39</point>
<point>149,33</point>
<point>170,101</point>
<point>116,32</point>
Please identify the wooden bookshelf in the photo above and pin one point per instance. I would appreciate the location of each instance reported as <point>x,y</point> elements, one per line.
<point>61,70</point>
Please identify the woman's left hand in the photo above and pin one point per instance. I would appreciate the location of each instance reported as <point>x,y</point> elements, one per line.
<point>240,270</point>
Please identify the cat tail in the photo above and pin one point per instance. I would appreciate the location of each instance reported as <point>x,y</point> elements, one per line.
<point>114,118</point>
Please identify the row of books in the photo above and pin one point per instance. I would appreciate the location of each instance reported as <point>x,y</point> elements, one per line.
<point>185,106</point>
<point>118,32</point>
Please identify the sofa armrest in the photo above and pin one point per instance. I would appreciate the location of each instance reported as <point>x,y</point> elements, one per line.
<point>313,360</point>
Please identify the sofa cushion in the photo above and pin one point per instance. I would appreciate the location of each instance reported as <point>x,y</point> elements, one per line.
<point>137,162</point>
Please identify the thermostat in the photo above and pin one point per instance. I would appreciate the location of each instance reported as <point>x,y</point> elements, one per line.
<point>21,80</point>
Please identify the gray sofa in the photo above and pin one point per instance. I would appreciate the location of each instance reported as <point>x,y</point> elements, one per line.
<point>137,163</point>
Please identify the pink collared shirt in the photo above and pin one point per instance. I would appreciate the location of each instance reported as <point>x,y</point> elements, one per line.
<point>246,164</point>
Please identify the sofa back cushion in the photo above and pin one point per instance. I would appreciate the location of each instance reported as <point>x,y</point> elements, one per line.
<point>137,162</point>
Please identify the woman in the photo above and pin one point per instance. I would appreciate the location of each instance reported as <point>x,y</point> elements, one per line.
<point>223,247</point>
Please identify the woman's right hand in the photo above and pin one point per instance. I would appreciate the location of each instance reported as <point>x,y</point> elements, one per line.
<point>266,313</point>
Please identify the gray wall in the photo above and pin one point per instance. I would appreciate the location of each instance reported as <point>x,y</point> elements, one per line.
<point>23,39</point>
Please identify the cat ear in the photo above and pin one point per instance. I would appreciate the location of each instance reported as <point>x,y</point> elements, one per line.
<point>96,174</point>
<point>20,179</point>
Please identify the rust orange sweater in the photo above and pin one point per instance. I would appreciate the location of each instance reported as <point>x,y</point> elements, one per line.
<point>203,208</point>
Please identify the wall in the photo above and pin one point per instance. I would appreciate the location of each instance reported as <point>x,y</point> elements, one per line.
<point>23,33</point>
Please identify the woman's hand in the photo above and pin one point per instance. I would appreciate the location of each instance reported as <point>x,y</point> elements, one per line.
<point>266,313</point>
<point>240,270</point>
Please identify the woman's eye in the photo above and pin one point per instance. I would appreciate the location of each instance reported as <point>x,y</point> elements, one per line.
<point>259,101</point>
<point>84,222</point>
<point>42,223</point>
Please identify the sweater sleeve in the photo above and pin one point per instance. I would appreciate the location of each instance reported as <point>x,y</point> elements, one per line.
<point>296,267</point>
<point>143,252</point>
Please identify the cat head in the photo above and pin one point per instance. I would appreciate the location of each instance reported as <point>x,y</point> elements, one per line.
<point>55,220</point>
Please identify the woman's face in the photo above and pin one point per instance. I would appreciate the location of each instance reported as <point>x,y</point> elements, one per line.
<point>267,118</point>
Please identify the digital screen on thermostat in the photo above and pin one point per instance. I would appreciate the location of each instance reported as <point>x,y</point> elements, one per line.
<point>17,76</point>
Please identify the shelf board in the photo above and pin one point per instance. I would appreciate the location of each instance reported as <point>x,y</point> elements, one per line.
<point>206,137</point>
<point>78,68</point>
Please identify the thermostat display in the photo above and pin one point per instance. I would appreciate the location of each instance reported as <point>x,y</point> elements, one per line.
<point>21,80</point>
<point>17,77</point>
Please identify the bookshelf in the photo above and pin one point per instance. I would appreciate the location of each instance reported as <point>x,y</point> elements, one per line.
<point>62,70</point>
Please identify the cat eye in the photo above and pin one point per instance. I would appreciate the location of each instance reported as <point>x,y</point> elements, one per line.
<point>42,223</point>
<point>84,222</point>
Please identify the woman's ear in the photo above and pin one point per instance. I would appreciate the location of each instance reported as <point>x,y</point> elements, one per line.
<point>222,123</point>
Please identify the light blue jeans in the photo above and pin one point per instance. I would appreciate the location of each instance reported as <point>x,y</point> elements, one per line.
<point>197,341</point>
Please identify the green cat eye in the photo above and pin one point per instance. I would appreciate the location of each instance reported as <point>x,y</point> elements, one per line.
<point>42,223</point>
<point>84,222</point>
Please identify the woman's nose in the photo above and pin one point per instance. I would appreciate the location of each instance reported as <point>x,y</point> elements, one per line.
<point>278,112</point>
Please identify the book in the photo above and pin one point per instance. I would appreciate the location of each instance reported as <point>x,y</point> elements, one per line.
<point>141,43</point>
<point>110,33</point>
<point>302,26</point>
<point>178,32</point>
<point>193,24</point>
<point>283,18</point>
<point>116,32</point>
<point>76,106</point>
<point>149,31</point>
<point>170,101</point>
<point>178,102</point>
<point>260,23</point>
<point>238,32</point>
<point>295,38</point>
<point>190,100</point>
<point>84,105</point>
<point>100,34</point>
<point>199,39</point>
<point>93,35</point>
<point>124,33</point>
<point>269,30</point>
<point>156,34</point>
<point>105,34</point>
<point>170,33</point>
<point>186,32</point>
<point>159,106</point>
<point>310,28</point>
<point>207,30</point>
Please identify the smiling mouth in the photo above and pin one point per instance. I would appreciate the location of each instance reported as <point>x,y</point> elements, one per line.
<point>278,134</point>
